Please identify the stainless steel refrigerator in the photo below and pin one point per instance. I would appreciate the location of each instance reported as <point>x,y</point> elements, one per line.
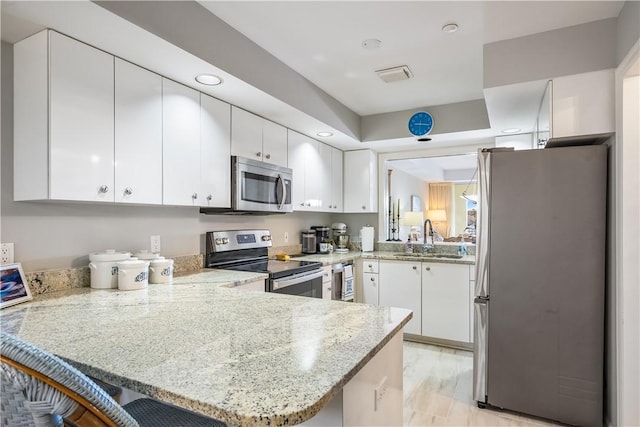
<point>540,282</point>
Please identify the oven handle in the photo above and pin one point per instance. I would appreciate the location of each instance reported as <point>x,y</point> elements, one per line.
<point>284,192</point>
<point>296,279</point>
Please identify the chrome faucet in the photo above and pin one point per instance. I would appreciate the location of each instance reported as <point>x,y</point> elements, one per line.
<point>426,247</point>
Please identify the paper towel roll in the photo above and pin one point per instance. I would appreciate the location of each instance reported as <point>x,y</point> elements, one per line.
<point>367,238</point>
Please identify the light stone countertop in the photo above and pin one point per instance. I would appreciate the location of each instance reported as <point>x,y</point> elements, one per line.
<point>247,358</point>
<point>334,258</point>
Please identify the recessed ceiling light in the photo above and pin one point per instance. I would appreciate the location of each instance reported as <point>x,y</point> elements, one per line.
<point>450,28</point>
<point>511,130</point>
<point>371,44</point>
<point>208,79</point>
<point>325,134</point>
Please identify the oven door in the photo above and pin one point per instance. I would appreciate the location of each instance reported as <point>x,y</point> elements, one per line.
<point>307,284</point>
<point>260,187</point>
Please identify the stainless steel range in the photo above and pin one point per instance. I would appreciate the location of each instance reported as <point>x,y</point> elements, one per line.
<point>247,250</point>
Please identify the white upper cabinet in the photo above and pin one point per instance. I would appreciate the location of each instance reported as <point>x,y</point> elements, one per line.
<point>215,149</point>
<point>360,181</point>
<point>317,186</point>
<point>138,135</point>
<point>64,120</point>
<point>578,106</point>
<point>335,204</point>
<point>256,138</point>
<point>181,145</point>
<point>274,143</point>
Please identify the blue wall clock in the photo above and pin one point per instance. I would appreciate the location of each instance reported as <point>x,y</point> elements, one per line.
<point>420,123</point>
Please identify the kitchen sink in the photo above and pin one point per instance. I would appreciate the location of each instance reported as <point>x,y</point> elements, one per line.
<point>428,255</point>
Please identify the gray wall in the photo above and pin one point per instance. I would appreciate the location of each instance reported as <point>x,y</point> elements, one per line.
<point>545,55</point>
<point>628,29</point>
<point>50,235</point>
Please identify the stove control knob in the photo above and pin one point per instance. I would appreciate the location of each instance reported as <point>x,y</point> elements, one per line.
<point>225,240</point>
<point>266,238</point>
<point>218,241</point>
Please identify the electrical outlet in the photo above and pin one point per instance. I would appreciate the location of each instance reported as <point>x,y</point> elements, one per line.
<point>155,244</point>
<point>379,392</point>
<point>6,253</point>
<point>286,237</point>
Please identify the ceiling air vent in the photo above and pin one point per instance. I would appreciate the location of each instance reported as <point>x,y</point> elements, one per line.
<point>395,74</point>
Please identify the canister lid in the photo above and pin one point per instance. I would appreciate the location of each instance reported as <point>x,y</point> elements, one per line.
<point>133,263</point>
<point>109,255</point>
<point>145,254</point>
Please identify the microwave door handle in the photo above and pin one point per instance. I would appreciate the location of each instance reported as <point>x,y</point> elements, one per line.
<point>284,192</point>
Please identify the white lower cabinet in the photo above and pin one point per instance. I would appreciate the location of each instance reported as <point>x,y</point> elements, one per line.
<point>327,281</point>
<point>445,301</point>
<point>370,289</point>
<point>439,294</point>
<point>400,286</point>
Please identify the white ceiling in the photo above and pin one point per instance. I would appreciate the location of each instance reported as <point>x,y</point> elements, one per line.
<point>321,40</point>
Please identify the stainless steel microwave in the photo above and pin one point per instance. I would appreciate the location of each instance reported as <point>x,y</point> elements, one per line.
<point>260,187</point>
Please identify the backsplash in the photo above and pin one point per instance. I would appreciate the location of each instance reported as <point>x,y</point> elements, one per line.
<point>44,282</point>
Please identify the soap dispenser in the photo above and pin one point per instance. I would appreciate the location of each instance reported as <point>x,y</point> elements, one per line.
<point>462,248</point>
<point>408,247</point>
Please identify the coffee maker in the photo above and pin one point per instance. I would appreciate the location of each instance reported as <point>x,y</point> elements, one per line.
<point>340,237</point>
<point>322,238</point>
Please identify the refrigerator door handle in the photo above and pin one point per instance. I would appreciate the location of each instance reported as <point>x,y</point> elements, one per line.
<point>480,347</point>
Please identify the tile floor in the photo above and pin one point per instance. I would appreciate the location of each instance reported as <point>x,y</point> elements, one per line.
<point>438,391</point>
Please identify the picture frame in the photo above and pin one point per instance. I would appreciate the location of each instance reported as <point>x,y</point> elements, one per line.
<point>15,288</point>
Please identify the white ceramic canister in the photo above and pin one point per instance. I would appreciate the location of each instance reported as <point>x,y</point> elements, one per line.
<point>133,274</point>
<point>161,270</point>
<point>104,268</point>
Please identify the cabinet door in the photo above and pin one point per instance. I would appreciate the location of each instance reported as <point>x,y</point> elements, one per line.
<point>400,287</point>
<point>336,180</point>
<point>274,143</point>
<point>181,147</point>
<point>323,178</point>
<point>296,160</point>
<point>215,152</point>
<point>138,135</point>
<point>445,301</point>
<point>81,121</point>
<point>312,181</point>
<point>360,181</point>
<point>327,281</point>
<point>370,288</point>
<point>246,134</point>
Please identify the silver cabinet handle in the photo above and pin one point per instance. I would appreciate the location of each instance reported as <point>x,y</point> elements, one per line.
<point>128,191</point>
<point>373,280</point>
<point>259,154</point>
<point>364,207</point>
<point>268,156</point>
<point>370,265</point>
<point>103,189</point>
<point>415,268</point>
<point>428,268</point>
<point>194,196</point>
<point>209,197</point>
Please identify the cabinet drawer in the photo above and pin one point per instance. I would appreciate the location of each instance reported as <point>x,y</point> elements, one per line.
<point>370,265</point>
